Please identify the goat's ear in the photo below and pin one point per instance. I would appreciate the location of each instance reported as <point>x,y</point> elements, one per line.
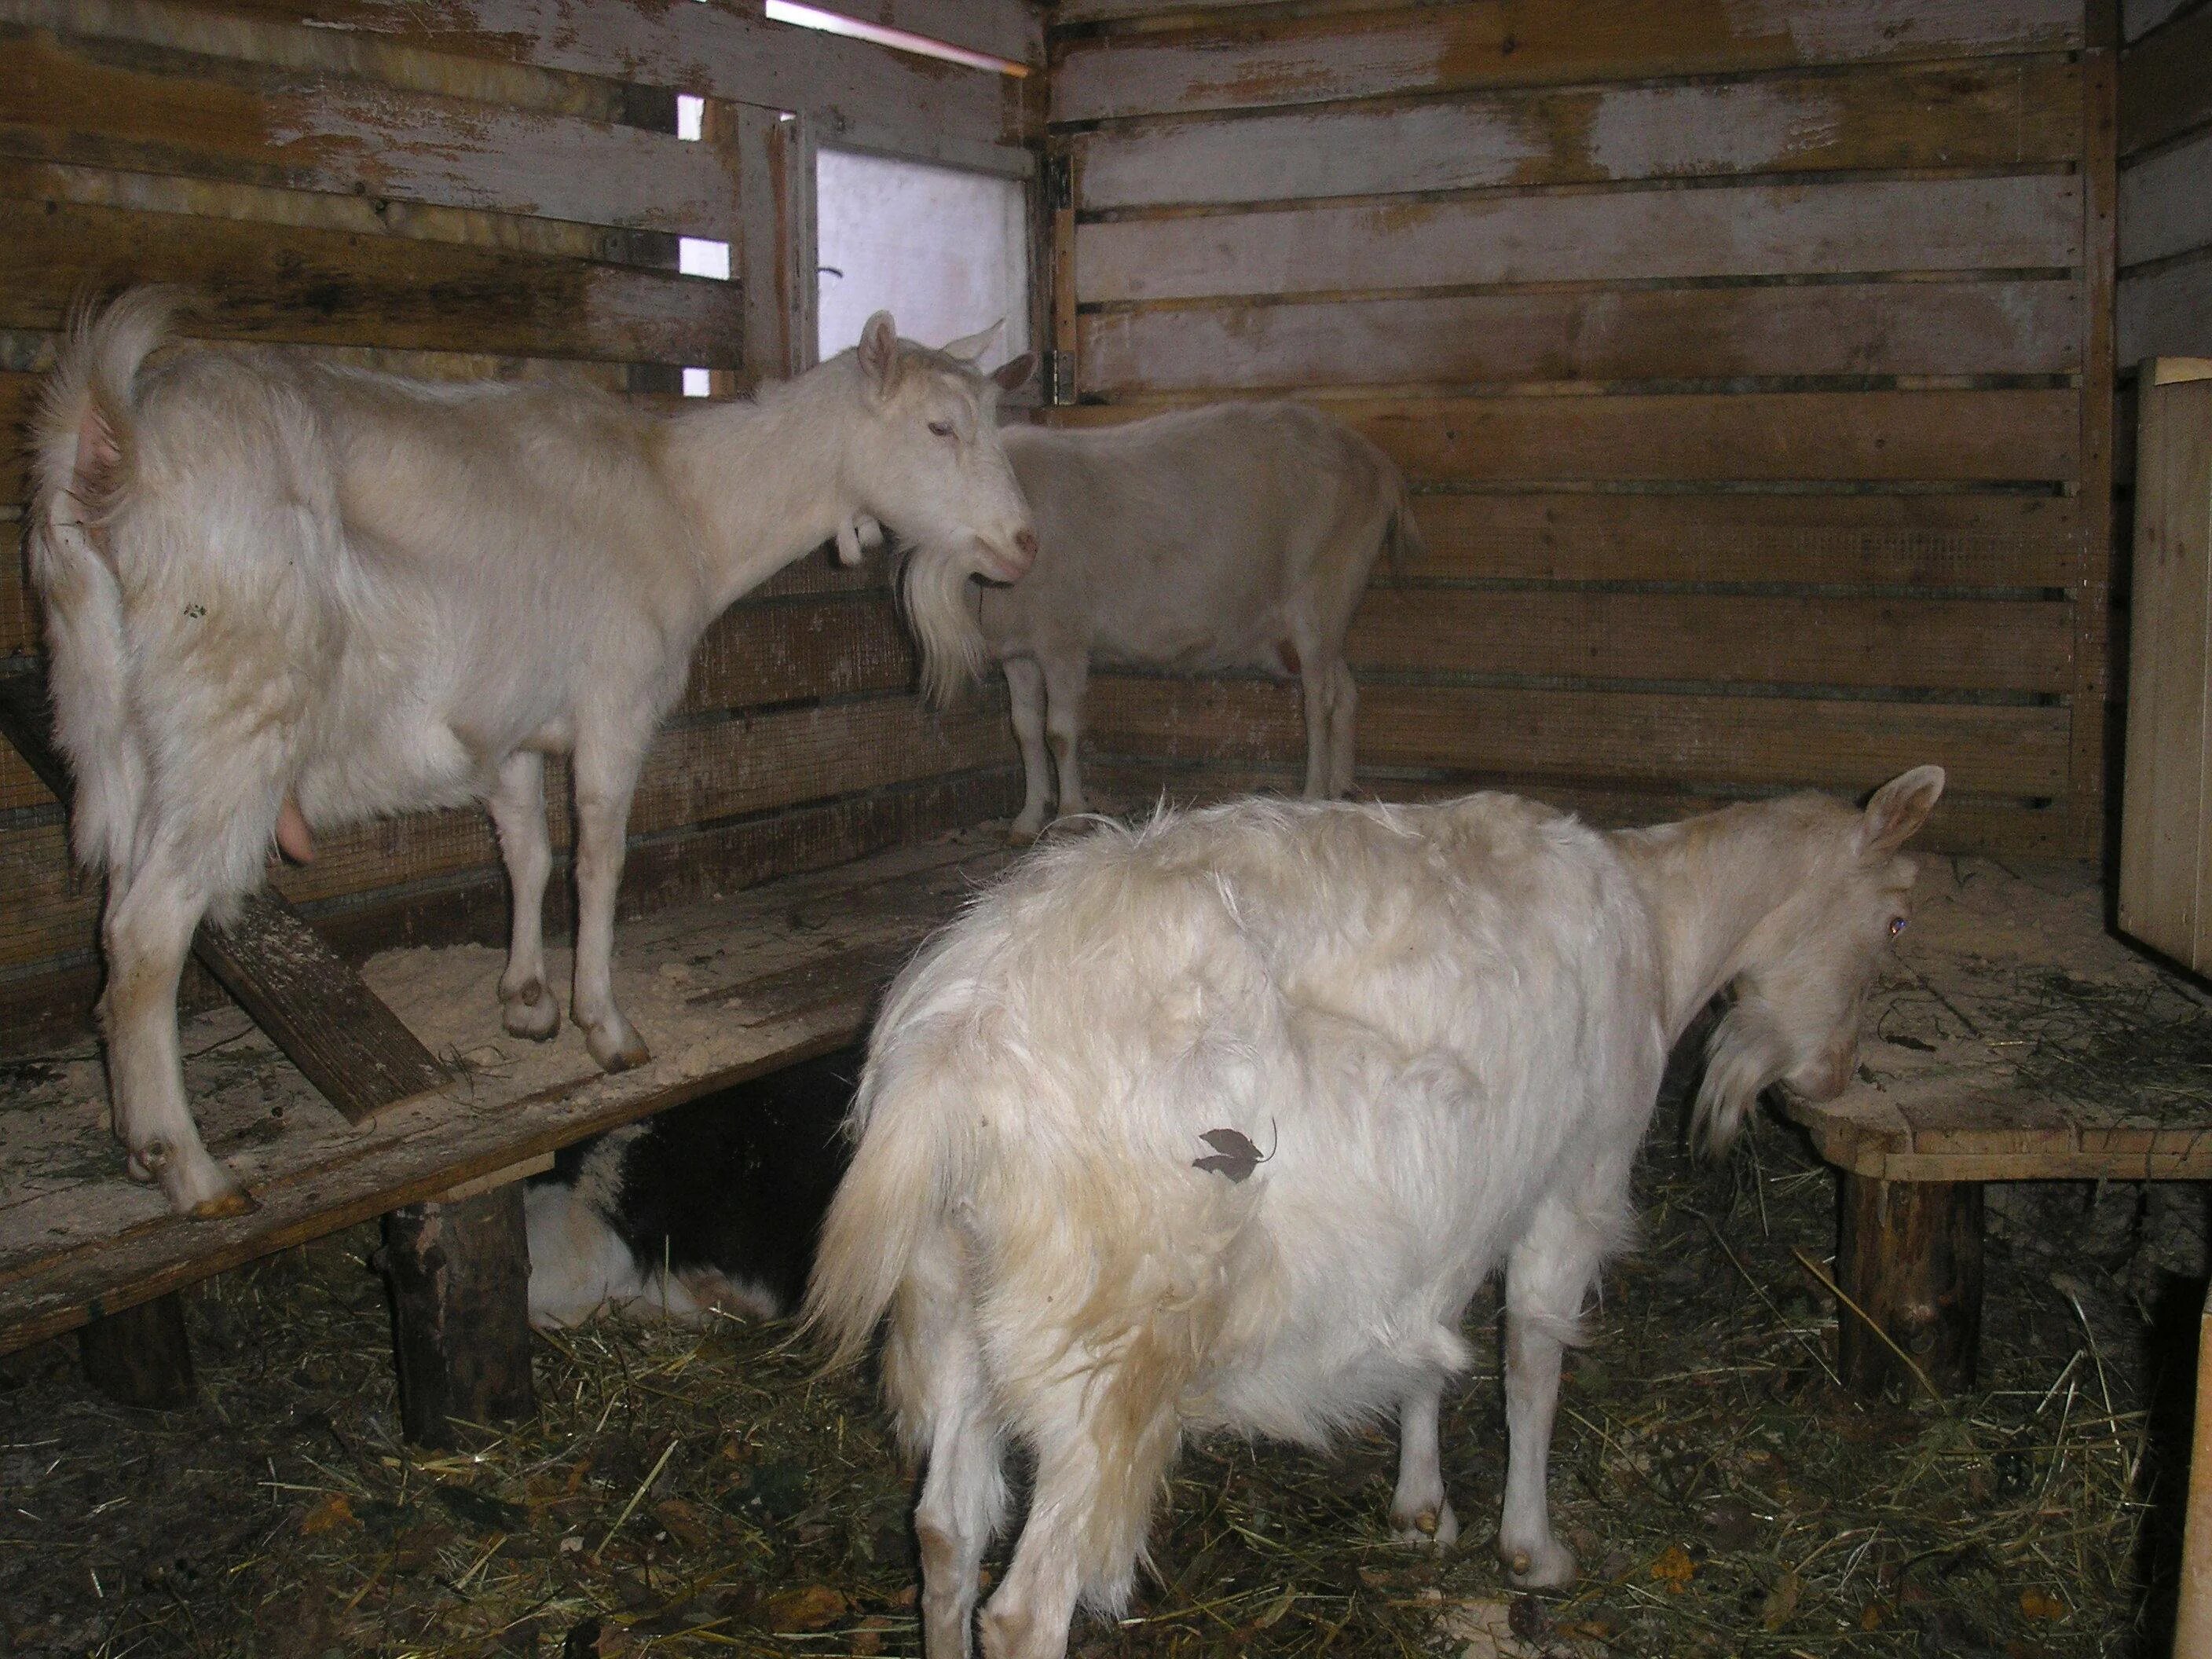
<point>1898,808</point>
<point>970,347</point>
<point>879,353</point>
<point>1013,376</point>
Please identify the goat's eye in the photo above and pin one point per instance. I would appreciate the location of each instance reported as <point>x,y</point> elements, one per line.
<point>1896,926</point>
<point>942,429</point>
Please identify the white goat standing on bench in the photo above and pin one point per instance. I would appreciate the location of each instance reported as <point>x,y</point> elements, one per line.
<point>282,596</point>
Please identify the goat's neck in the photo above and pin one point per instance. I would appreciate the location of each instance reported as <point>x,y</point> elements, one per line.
<point>1709,883</point>
<point>767,478</point>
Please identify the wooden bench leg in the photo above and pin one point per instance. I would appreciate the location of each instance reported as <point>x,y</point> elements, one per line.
<point>459,1276</point>
<point>1910,1253</point>
<point>141,1356</point>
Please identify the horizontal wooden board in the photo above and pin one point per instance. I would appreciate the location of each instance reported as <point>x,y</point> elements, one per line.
<point>2165,201</point>
<point>1981,645</point>
<point>2167,313</point>
<point>1449,48</point>
<point>777,652</point>
<point>2164,89</point>
<point>1921,541</point>
<point>1649,738</point>
<point>1699,333</point>
<point>866,94</point>
<point>1622,236</point>
<point>2008,112</point>
<point>1855,437</point>
<point>221,119</point>
<point>281,283</point>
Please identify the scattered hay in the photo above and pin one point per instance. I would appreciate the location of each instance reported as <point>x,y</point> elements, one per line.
<point>703,1492</point>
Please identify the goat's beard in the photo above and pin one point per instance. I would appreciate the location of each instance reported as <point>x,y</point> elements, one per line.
<point>940,610</point>
<point>1743,1056</point>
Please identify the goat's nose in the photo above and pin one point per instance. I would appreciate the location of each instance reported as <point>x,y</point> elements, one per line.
<point>1026,540</point>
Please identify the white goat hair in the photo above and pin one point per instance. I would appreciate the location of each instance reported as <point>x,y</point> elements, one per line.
<point>1439,1032</point>
<point>1237,536</point>
<point>283,597</point>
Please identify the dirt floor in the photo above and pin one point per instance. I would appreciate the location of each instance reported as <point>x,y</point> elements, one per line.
<point>690,1493</point>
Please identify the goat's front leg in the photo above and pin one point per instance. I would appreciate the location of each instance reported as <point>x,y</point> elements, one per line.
<point>1421,1511</point>
<point>527,1005</point>
<point>147,930</point>
<point>1025,690</point>
<point>606,776</point>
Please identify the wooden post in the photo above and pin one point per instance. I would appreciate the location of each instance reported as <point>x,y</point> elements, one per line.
<point>458,1272</point>
<point>1910,1254</point>
<point>141,1356</point>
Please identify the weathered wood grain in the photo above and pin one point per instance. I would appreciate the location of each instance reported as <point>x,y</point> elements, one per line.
<point>1926,541</point>
<point>2164,89</point>
<point>1698,333</point>
<point>2166,311</point>
<point>1447,48</point>
<point>2165,200</point>
<point>1619,235</point>
<point>2002,112</point>
<point>1915,642</point>
<point>1677,438</point>
<point>864,94</point>
<point>211,118</point>
<point>1648,738</point>
<point>283,283</point>
<point>1910,1255</point>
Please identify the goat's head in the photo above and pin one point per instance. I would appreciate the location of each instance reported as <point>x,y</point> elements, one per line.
<point>927,462</point>
<point>1800,998</point>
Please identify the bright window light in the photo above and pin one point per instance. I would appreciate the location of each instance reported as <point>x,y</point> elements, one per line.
<point>944,250</point>
<point>832,23</point>
<point>697,256</point>
<point>698,383</point>
<point>690,115</point>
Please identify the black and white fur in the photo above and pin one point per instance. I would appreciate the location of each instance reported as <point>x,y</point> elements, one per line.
<point>709,1208</point>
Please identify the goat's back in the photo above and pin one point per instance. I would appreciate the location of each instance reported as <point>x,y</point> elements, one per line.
<point>1422,1019</point>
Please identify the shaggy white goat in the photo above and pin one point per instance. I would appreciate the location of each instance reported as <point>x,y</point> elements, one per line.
<point>1238,536</point>
<point>281,596</point>
<point>1220,1123</point>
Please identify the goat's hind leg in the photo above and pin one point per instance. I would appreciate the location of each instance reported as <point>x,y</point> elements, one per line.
<point>933,1369</point>
<point>527,1005</point>
<point>1025,690</point>
<point>1547,1278</point>
<point>147,930</point>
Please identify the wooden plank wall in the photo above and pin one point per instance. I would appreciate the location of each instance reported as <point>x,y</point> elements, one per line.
<point>494,187</point>
<point>1737,354</point>
<point>2165,181</point>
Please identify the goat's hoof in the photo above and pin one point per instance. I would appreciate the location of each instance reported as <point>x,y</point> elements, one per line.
<point>236,1201</point>
<point>1436,1529</point>
<point>617,1050</point>
<point>1021,834</point>
<point>531,1013</point>
<point>1548,1564</point>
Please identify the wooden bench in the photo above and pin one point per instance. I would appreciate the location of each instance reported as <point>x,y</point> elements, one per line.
<point>2012,1038</point>
<point>722,991</point>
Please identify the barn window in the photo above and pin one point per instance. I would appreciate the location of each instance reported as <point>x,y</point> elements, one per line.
<point>944,250</point>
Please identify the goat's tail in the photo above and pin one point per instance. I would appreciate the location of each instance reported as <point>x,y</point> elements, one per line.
<point>1402,537</point>
<point>82,439</point>
<point>911,1160</point>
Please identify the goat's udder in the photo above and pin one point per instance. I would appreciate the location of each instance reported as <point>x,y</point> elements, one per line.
<point>294,838</point>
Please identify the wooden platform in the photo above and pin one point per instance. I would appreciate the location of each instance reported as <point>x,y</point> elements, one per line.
<point>721,991</point>
<point>2011,1037</point>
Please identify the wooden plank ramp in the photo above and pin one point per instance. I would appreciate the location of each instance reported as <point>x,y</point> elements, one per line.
<point>78,1241</point>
